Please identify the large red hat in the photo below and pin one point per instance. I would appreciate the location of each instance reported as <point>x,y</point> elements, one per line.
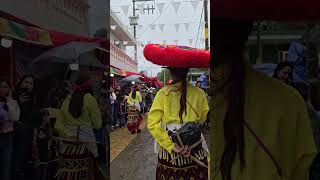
<point>177,56</point>
<point>283,10</point>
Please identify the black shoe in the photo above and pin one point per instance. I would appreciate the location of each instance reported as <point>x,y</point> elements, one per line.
<point>139,131</point>
<point>133,132</point>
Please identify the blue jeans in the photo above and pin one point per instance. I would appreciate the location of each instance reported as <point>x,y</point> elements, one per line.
<point>123,120</point>
<point>113,115</point>
<point>6,143</point>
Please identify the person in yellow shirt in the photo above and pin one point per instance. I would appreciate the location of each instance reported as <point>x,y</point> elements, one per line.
<point>80,114</point>
<point>174,106</point>
<point>260,129</point>
<point>134,116</point>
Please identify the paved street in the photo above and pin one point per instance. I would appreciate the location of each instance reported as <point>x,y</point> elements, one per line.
<point>134,157</point>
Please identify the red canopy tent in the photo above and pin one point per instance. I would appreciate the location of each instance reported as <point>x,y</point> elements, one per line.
<point>282,10</point>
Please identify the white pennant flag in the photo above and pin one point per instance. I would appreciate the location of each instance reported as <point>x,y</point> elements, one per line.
<point>141,7</point>
<point>164,41</point>
<point>125,10</point>
<point>113,27</point>
<point>195,4</point>
<point>160,7</point>
<point>190,41</point>
<point>176,6</point>
<point>177,26</point>
<point>139,27</point>
<point>152,26</point>
<point>187,25</point>
<point>176,42</point>
<point>161,26</point>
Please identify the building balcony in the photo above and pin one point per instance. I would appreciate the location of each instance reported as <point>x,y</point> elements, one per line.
<point>120,60</point>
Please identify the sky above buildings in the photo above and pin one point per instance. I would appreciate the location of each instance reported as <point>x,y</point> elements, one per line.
<point>150,27</point>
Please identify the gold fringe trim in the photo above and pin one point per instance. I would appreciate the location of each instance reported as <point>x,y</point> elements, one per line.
<point>176,159</point>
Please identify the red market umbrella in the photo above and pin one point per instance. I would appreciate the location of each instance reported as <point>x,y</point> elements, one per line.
<point>282,10</point>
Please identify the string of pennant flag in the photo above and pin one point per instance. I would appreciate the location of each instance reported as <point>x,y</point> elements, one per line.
<point>161,27</point>
<point>172,42</point>
<point>160,6</point>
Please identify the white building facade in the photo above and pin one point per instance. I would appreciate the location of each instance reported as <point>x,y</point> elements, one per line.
<point>120,38</point>
<point>69,16</point>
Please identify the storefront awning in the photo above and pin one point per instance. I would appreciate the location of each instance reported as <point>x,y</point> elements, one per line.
<point>120,72</point>
<point>24,33</point>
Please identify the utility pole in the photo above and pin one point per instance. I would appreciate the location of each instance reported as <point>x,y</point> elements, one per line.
<point>259,43</point>
<point>205,6</point>
<point>135,23</point>
<point>135,32</point>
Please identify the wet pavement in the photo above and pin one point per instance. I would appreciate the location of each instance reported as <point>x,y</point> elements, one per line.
<point>137,160</point>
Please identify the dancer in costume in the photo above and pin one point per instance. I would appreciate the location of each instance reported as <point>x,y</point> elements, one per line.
<point>80,115</point>
<point>175,107</point>
<point>134,110</point>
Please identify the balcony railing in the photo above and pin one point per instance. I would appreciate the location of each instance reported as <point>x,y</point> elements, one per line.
<point>122,59</point>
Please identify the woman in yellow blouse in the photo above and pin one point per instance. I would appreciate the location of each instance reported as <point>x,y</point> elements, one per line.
<point>80,111</point>
<point>260,129</point>
<point>173,106</point>
<point>134,116</point>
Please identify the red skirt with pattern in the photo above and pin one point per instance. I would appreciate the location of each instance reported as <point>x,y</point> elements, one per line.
<point>193,171</point>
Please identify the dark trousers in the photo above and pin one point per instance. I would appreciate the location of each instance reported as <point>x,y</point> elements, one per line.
<point>123,120</point>
<point>113,115</point>
<point>6,141</point>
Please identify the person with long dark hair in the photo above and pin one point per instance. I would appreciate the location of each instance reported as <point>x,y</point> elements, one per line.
<point>9,112</point>
<point>283,72</point>
<point>174,106</point>
<point>79,109</point>
<point>134,110</point>
<point>261,126</point>
<point>30,119</point>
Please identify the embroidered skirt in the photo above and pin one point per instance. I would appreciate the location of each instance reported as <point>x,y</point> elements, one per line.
<point>171,168</point>
<point>134,119</point>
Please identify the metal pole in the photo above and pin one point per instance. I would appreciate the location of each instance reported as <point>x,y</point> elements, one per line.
<point>259,44</point>
<point>205,6</point>
<point>135,31</point>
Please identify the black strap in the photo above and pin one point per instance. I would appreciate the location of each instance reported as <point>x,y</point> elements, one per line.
<point>265,148</point>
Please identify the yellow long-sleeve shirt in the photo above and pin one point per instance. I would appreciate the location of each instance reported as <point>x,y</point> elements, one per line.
<point>138,98</point>
<point>91,115</point>
<point>165,110</point>
<point>278,115</point>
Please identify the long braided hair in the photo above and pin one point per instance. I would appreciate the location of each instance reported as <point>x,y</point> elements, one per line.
<point>180,75</point>
<point>230,38</point>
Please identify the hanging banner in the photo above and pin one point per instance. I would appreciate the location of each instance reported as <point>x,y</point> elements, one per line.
<point>24,33</point>
<point>195,4</point>
<point>125,9</point>
<point>187,25</point>
<point>161,26</point>
<point>160,7</point>
<point>190,41</point>
<point>177,26</point>
<point>141,8</point>
<point>152,26</point>
<point>176,6</point>
<point>113,27</point>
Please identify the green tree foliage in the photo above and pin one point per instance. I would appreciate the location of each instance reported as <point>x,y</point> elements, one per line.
<point>164,75</point>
